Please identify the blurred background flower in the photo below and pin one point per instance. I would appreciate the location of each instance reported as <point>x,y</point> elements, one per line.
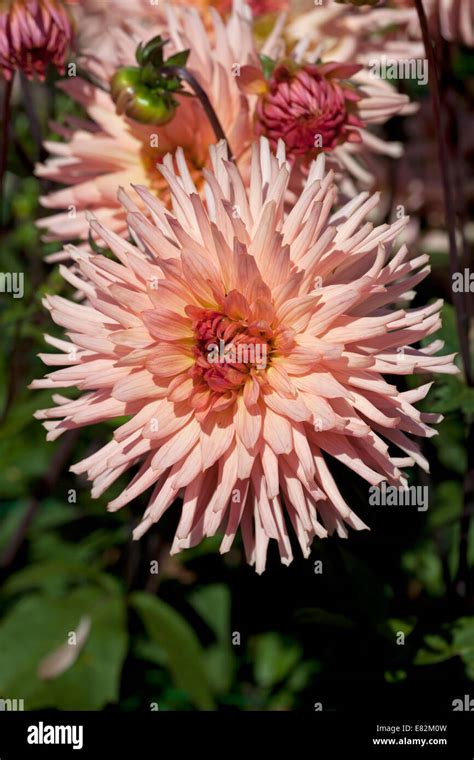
<point>33,34</point>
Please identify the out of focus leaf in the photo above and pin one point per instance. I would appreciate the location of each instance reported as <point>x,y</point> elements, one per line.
<point>401,626</point>
<point>323,617</point>
<point>451,445</point>
<point>39,624</point>
<point>213,605</point>
<point>447,503</point>
<point>436,649</point>
<point>274,658</point>
<point>450,394</point>
<point>56,576</point>
<point>463,642</point>
<point>183,650</point>
<point>424,564</point>
<point>220,667</point>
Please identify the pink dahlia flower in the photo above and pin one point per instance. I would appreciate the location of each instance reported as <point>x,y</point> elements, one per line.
<point>111,150</point>
<point>329,108</point>
<point>304,102</point>
<point>33,34</point>
<point>352,34</point>
<point>248,347</point>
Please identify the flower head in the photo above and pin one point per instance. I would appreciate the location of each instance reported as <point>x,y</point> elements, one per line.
<point>323,107</point>
<point>309,108</point>
<point>247,345</point>
<point>33,34</point>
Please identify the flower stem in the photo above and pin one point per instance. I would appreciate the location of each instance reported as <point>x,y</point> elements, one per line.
<point>182,73</point>
<point>462,320</point>
<point>94,81</point>
<point>32,114</point>
<point>7,91</point>
<point>41,490</point>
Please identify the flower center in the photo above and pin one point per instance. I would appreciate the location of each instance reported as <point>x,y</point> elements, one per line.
<point>228,350</point>
<point>151,156</point>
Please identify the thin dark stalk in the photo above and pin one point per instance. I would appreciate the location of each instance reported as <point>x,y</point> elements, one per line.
<point>7,92</point>
<point>92,79</point>
<point>464,578</point>
<point>462,321</point>
<point>182,73</point>
<point>40,491</point>
<point>13,377</point>
<point>32,114</point>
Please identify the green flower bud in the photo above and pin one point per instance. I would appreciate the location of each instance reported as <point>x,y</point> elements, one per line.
<point>140,101</point>
<point>129,76</point>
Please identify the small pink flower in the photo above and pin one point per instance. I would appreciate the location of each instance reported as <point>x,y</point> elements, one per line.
<point>309,107</point>
<point>33,34</point>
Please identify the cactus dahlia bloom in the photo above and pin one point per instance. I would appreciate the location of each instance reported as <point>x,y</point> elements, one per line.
<point>33,33</point>
<point>248,347</point>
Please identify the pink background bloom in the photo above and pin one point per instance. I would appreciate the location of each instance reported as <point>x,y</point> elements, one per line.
<point>33,34</point>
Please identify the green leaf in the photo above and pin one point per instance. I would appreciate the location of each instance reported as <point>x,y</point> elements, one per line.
<point>395,676</point>
<point>213,605</point>
<point>436,649</point>
<point>324,617</point>
<point>447,504</point>
<point>275,658</point>
<point>450,394</point>
<point>55,575</point>
<point>184,652</point>
<point>451,445</point>
<point>220,667</point>
<point>424,564</point>
<point>38,625</point>
<point>396,625</point>
<point>178,59</point>
<point>268,64</point>
<point>463,642</point>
